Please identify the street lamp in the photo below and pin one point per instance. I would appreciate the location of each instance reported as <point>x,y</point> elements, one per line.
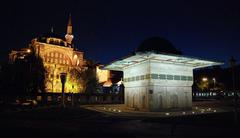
<point>72,95</point>
<point>214,83</point>
<point>28,50</point>
<point>204,79</point>
<point>63,77</point>
<point>232,62</point>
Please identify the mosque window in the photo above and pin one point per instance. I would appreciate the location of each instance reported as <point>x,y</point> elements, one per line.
<point>51,60</point>
<point>51,41</point>
<point>56,55</point>
<point>52,54</point>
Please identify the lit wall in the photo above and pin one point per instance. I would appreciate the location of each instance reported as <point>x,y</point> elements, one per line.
<point>103,75</point>
<point>155,86</point>
<point>58,59</point>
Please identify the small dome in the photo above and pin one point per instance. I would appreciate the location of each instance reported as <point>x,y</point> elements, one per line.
<point>53,35</point>
<point>158,45</point>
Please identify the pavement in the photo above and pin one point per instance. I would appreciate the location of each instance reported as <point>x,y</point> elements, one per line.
<point>121,111</point>
<point>117,121</point>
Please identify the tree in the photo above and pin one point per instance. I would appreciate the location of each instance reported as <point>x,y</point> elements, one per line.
<point>37,72</point>
<point>89,77</point>
<point>75,79</point>
<point>24,75</point>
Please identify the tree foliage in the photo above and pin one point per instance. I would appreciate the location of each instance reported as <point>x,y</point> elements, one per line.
<point>25,75</point>
<point>89,78</point>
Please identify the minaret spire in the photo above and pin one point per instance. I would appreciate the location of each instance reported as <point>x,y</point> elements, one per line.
<point>69,35</point>
<point>52,29</point>
<point>69,26</point>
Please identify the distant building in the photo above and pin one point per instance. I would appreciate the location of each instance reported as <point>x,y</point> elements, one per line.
<point>157,77</point>
<point>103,75</point>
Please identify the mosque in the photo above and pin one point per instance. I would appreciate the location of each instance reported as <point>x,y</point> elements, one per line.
<point>158,77</point>
<point>59,55</point>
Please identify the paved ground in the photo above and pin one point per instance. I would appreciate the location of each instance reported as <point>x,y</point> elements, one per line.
<point>81,122</point>
<point>121,111</point>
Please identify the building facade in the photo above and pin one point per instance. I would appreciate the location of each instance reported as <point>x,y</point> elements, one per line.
<point>59,56</point>
<point>156,81</point>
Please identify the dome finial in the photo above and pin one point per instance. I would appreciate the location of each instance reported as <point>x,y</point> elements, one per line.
<point>52,29</point>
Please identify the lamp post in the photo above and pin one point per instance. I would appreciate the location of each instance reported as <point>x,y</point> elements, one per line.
<point>232,62</point>
<point>214,83</point>
<point>63,77</point>
<point>72,95</point>
<point>205,80</point>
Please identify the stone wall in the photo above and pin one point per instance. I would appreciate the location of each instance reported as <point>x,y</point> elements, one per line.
<point>156,86</point>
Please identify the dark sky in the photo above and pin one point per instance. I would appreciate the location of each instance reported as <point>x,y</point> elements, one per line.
<point>107,30</point>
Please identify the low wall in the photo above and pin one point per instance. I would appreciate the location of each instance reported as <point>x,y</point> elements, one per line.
<point>55,98</point>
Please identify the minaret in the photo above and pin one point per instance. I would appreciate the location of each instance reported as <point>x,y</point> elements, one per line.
<point>69,35</point>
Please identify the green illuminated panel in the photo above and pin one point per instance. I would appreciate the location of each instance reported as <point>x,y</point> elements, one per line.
<point>137,78</point>
<point>162,76</point>
<point>176,77</point>
<point>184,78</point>
<point>147,76</point>
<point>169,77</point>
<point>190,78</point>
<point>159,76</point>
<point>154,76</point>
<point>132,78</point>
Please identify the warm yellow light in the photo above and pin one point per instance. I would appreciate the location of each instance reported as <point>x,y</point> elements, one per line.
<point>28,50</point>
<point>75,57</point>
<point>103,75</point>
<point>204,79</point>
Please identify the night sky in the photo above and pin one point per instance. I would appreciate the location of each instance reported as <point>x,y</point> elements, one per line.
<point>108,30</point>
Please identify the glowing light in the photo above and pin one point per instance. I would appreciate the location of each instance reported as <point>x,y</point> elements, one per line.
<point>209,109</point>
<point>167,114</point>
<point>183,113</point>
<point>214,111</point>
<point>193,112</point>
<point>28,50</point>
<point>204,79</point>
<point>196,107</point>
<point>103,75</point>
<point>75,57</point>
<point>119,111</point>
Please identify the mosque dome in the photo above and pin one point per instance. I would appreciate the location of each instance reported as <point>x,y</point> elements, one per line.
<point>158,45</point>
<point>52,38</point>
<point>52,35</point>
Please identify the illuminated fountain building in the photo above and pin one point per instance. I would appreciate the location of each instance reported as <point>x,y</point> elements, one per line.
<point>158,77</point>
<point>58,56</point>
